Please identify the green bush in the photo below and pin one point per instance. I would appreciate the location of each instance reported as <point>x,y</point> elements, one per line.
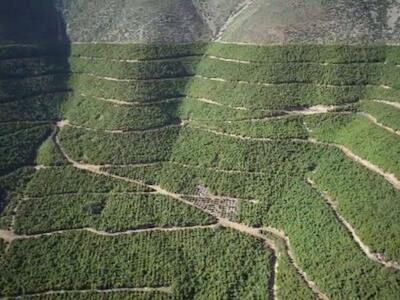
<point>138,51</point>
<point>19,147</point>
<point>384,113</point>
<point>361,136</point>
<point>118,148</point>
<point>365,199</point>
<point>112,212</point>
<point>178,259</point>
<point>68,180</point>
<point>135,70</point>
<point>139,91</point>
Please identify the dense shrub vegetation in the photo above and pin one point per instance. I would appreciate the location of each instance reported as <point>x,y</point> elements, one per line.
<point>108,212</point>
<point>42,107</point>
<point>313,72</point>
<point>364,198</point>
<point>14,89</point>
<point>98,114</point>
<point>19,68</point>
<point>178,259</point>
<point>238,140</point>
<point>360,135</point>
<point>135,70</point>
<point>12,186</point>
<point>118,148</point>
<point>290,284</point>
<point>273,97</point>
<point>384,113</point>
<point>106,296</point>
<point>276,128</point>
<point>67,180</point>
<point>18,147</point>
<point>3,246</point>
<point>137,91</point>
<point>335,54</point>
<point>138,51</point>
<point>49,154</point>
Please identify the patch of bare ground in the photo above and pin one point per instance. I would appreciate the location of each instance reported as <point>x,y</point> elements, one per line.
<point>376,257</point>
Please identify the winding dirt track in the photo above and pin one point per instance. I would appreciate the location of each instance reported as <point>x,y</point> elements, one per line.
<point>367,251</point>
<point>377,123</point>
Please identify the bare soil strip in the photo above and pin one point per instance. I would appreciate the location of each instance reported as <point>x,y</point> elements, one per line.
<point>238,61</point>
<point>377,257</point>
<point>135,80</point>
<point>136,103</point>
<point>394,104</point>
<point>166,59</point>
<point>166,289</point>
<point>376,122</point>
